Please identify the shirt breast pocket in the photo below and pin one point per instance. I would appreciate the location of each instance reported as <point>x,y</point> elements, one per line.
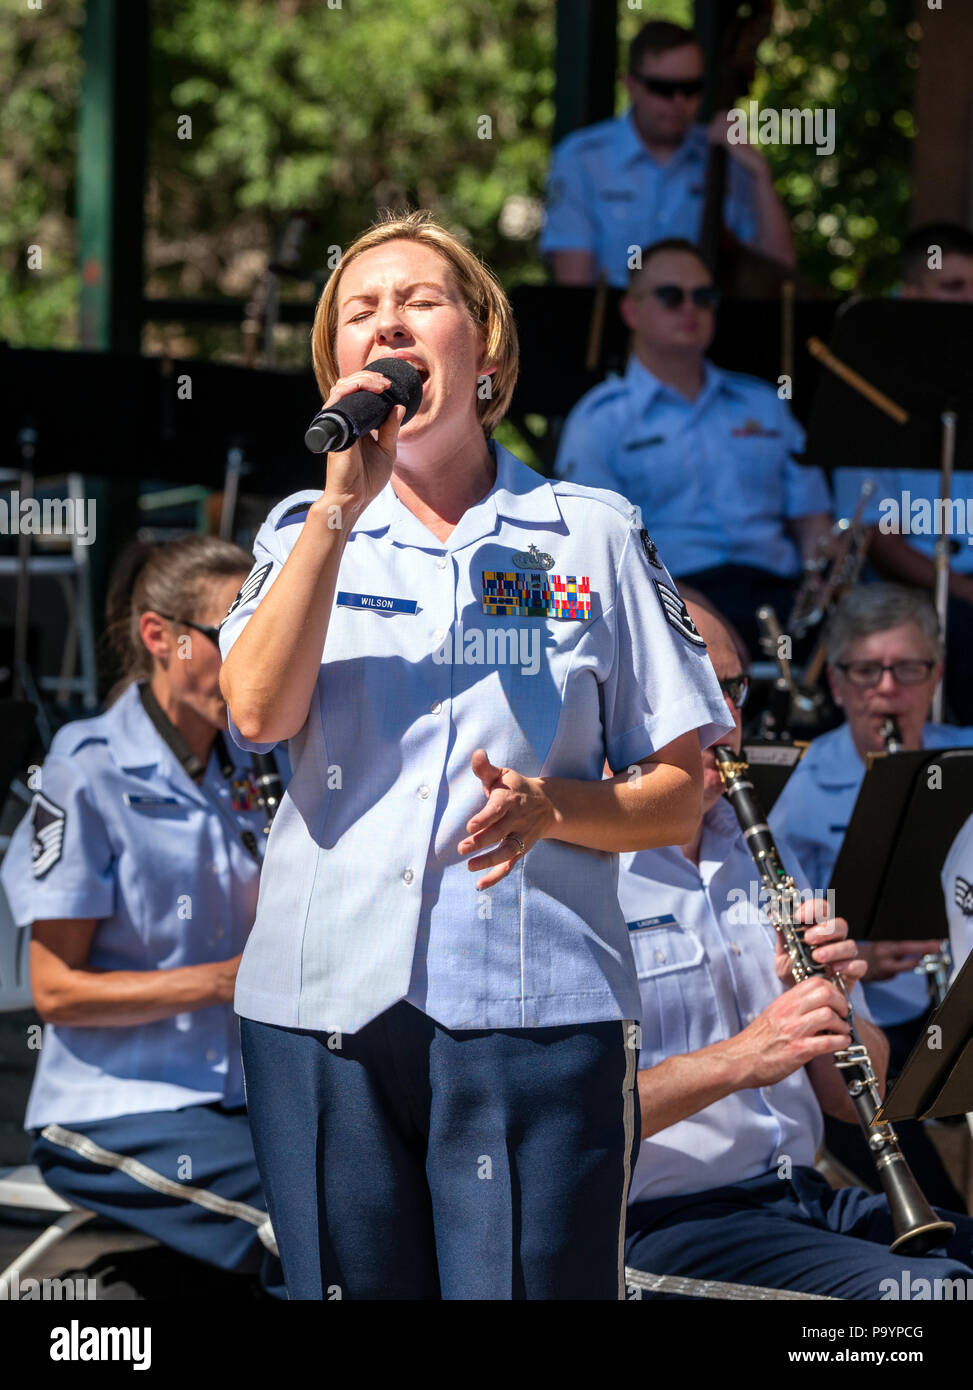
<point>670,961</point>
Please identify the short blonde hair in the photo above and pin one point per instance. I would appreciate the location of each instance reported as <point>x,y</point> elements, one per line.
<point>486,302</point>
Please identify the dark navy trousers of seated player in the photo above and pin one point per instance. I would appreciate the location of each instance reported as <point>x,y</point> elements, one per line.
<point>794,1233</point>
<point>217,1142</point>
<point>412,1161</point>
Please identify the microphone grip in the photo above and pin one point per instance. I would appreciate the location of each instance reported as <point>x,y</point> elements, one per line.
<point>327,433</point>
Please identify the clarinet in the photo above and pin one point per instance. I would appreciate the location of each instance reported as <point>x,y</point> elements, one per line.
<point>270,789</point>
<point>916,1226</point>
<point>936,965</point>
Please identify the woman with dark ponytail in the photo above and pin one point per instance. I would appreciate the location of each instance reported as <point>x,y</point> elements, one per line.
<point>136,869</point>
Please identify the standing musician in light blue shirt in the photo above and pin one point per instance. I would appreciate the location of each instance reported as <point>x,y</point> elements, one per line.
<point>136,868</point>
<point>957,881</point>
<point>736,1067</point>
<point>623,183</point>
<point>438,994</point>
<point>884,658</point>
<point>708,455</point>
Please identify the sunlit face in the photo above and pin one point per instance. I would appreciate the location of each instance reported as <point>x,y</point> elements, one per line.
<point>951,283</point>
<point>688,328</point>
<point>664,120</point>
<point>867,708</point>
<point>401,299</point>
<point>192,659</point>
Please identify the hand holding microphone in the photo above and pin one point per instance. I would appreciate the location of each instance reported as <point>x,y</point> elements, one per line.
<point>382,396</point>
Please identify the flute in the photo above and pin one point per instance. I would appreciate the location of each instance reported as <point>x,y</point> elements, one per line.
<point>917,1228</point>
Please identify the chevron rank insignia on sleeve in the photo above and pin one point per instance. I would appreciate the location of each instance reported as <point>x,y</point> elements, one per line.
<point>47,821</point>
<point>964,896</point>
<point>251,587</point>
<point>677,614</point>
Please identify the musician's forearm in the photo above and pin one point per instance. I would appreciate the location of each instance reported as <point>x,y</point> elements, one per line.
<point>896,559</point>
<point>807,530</point>
<point>774,237</point>
<point>683,1085</point>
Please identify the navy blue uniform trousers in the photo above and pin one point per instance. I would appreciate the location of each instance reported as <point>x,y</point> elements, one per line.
<point>177,1161</point>
<point>412,1161</point>
<point>797,1233</point>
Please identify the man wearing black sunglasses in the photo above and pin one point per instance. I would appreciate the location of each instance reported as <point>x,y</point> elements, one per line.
<point>708,455</point>
<point>621,184</point>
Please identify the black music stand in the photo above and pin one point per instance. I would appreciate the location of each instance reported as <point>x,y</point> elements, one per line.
<point>886,879</point>
<point>937,1081</point>
<point>918,353</point>
<point>771,764</point>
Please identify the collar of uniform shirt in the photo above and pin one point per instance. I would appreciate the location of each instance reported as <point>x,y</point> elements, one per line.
<point>647,387</point>
<point>631,147</point>
<point>518,494</point>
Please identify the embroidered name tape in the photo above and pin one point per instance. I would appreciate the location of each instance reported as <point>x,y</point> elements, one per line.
<point>377,603</point>
<point>142,801</point>
<point>507,594</point>
<point>665,921</point>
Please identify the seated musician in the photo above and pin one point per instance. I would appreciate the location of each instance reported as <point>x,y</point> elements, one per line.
<point>640,176</point>
<point>937,266</point>
<point>736,1068</point>
<point>884,658</point>
<point>708,455</point>
<point>137,868</point>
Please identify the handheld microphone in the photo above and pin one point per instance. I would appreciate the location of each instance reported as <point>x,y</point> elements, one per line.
<point>339,427</point>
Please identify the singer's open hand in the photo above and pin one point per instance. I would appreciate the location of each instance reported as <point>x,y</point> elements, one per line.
<point>828,939</point>
<point>357,475</point>
<point>516,805</point>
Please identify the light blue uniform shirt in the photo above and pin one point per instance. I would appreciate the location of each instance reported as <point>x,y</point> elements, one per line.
<point>365,899</point>
<point>957,881</point>
<point>704,952</point>
<point>119,832</point>
<point>715,478</point>
<point>814,811</point>
<point>908,489</point>
<point>607,194</point>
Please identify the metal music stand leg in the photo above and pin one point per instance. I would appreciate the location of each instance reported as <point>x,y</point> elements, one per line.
<point>948,455</point>
<point>231,488</point>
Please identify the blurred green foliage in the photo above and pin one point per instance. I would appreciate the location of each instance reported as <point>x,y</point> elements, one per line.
<point>343,109</point>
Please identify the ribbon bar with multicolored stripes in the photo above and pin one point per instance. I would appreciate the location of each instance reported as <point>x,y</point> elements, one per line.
<point>512,594</point>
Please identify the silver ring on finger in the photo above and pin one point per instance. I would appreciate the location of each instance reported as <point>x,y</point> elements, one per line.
<point>522,848</point>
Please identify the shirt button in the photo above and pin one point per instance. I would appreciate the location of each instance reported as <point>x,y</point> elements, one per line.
<point>408,876</point>
<point>423,792</point>
<point>660,956</point>
<point>734,948</point>
<point>435,707</point>
<point>211,1054</point>
<point>441,562</point>
<point>749,1017</point>
<point>439,635</point>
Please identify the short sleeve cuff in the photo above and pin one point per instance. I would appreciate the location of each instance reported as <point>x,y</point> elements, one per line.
<point>710,720</point>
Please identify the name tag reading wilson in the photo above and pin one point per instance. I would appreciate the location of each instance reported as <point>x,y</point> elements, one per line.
<point>377,603</point>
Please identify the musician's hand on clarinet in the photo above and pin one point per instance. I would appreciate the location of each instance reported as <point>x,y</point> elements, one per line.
<point>805,1022</point>
<point>829,942</point>
<point>886,959</point>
